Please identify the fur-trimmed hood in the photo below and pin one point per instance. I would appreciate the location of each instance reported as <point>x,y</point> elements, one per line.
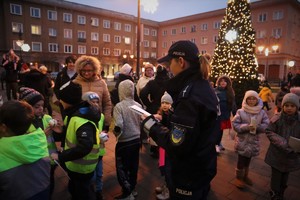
<point>226,78</point>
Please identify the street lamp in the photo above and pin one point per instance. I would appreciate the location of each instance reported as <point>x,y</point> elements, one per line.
<point>149,6</point>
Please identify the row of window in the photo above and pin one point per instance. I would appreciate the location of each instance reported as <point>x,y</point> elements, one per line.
<point>67,17</point>
<point>81,49</point>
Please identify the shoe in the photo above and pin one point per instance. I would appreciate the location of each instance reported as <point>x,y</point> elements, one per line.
<point>164,194</point>
<point>218,150</point>
<point>134,192</point>
<point>125,197</point>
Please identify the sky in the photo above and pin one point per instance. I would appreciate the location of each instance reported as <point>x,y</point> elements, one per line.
<point>167,9</point>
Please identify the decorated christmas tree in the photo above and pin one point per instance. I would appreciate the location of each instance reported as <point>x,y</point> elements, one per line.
<point>234,54</point>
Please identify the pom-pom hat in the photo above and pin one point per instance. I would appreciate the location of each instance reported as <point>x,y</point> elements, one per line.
<point>166,98</point>
<point>30,95</point>
<point>290,98</point>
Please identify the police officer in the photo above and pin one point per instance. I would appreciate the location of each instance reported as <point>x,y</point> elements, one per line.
<point>190,141</point>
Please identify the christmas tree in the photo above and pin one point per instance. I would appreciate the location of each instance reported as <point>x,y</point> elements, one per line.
<point>234,54</point>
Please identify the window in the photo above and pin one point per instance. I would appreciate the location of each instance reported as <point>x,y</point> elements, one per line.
<point>183,29</point>
<point>81,49</point>
<point>15,46</point>
<point>106,38</point>
<point>17,27</point>
<point>67,17</point>
<point>204,27</point>
<point>68,48</point>
<point>94,50</point>
<point>106,24</point>
<point>127,28</point>
<point>127,40</point>
<point>153,54</point>
<point>94,36</point>
<point>117,52</point>
<point>154,33</point>
<point>277,15</point>
<point>164,45</point>
<point>106,51</point>
<point>35,12</point>
<point>52,15</point>
<point>146,31</point>
<point>68,33</point>
<point>217,25</point>
<point>204,40</point>
<point>146,43</point>
<point>146,54</point>
<point>53,47</point>
<point>173,31</point>
<point>193,40</point>
<point>117,39</point>
<point>261,33</point>
<point>276,32</point>
<point>36,46</point>
<point>193,28</point>
<point>80,19</point>
<point>36,30</point>
<point>94,21</point>
<point>203,51</point>
<point>262,17</point>
<point>81,34</point>
<point>165,33</point>
<point>52,32</point>
<point>215,38</point>
<point>153,44</point>
<point>15,9</point>
<point>117,26</point>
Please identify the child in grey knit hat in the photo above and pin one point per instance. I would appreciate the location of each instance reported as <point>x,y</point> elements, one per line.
<point>281,155</point>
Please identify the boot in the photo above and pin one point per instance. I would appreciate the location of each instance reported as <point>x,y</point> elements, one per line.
<point>239,181</point>
<point>247,180</point>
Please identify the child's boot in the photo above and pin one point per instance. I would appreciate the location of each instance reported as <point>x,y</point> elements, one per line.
<point>247,180</point>
<point>239,181</point>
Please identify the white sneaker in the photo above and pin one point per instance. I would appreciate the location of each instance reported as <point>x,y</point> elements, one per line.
<point>158,190</point>
<point>218,150</point>
<point>164,194</point>
<point>134,193</point>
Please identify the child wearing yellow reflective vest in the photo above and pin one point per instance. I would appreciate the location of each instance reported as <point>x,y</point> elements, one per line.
<point>43,121</point>
<point>24,157</point>
<point>81,141</point>
<point>93,99</point>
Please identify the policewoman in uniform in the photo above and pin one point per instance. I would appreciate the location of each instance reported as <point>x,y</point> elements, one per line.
<point>81,150</point>
<point>190,141</point>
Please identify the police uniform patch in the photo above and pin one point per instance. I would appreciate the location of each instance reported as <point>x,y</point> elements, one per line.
<point>178,135</point>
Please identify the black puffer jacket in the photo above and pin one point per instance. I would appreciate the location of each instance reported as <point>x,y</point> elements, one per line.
<point>62,78</point>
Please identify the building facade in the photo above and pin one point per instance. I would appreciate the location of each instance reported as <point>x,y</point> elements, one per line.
<point>55,29</point>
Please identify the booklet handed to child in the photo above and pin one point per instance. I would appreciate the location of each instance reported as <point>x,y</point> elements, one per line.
<point>294,143</point>
<point>139,110</point>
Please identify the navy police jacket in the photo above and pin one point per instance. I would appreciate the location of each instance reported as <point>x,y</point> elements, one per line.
<point>190,140</point>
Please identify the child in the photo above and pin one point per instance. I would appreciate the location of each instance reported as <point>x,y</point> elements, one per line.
<point>93,99</point>
<point>127,132</point>
<point>163,116</point>
<point>43,121</point>
<point>284,89</point>
<point>249,122</point>
<point>280,155</point>
<point>24,157</point>
<point>227,104</point>
<point>266,95</point>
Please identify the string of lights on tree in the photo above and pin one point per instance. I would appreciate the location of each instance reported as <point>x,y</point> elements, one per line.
<point>234,54</point>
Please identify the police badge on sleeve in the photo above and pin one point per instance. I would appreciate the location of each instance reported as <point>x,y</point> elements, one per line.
<point>178,135</point>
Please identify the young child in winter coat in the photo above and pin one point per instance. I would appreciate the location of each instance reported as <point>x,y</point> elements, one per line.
<point>249,122</point>
<point>281,156</point>
<point>127,132</point>
<point>266,96</point>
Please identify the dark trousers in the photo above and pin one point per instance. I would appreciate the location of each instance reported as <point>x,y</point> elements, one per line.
<point>279,180</point>
<point>127,164</point>
<point>11,90</point>
<point>80,188</point>
<point>243,162</point>
<point>266,104</point>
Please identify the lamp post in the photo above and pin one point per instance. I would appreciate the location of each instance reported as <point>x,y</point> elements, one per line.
<point>266,50</point>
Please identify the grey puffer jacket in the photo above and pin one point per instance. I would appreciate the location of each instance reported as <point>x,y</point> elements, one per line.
<point>247,144</point>
<point>280,155</point>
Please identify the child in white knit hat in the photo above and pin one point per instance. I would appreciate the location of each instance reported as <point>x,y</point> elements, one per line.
<point>282,155</point>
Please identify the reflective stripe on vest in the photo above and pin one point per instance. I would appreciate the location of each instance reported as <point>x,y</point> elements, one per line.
<point>88,163</point>
<point>100,125</point>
